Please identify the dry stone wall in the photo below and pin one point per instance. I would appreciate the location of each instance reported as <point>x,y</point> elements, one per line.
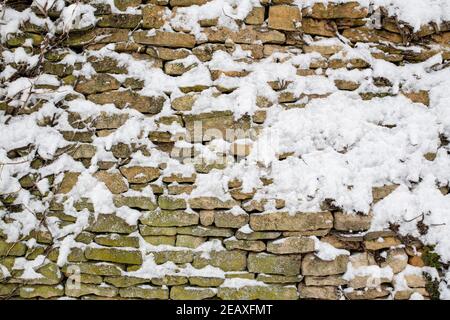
<point>121,120</point>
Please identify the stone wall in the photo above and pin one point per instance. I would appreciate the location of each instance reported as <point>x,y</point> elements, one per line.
<point>112,109</point>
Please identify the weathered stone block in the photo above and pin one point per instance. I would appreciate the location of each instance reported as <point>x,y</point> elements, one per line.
<point>287,18</point>
<point>98,83</point>
<point>189,241</point>
<point>225,260</point>
<point>170,280</point>
<point>322,293</point>
<point>397,259</point>
<point>90,278</point>
<point>166,218</point>
<point>211,203</point>
<point>101,269</point>
<point>381,243</point>
<point>103,35</point>
<point>120,20</point>
<point>115,240</point>
<point>160,240</point>
<point>50,275</point>
<point>415,280</point>
<point>274,264</point>
<point>84,289</point>
<point>187,3</point>
<point>252,292</point>
<point>136,202</point>
<point>228,219</point>
<point>363,294</point>
<point>217,124</point>
<point>191,293</point>
<point>200,231</point>
<point>179,178</point>
<point>157,231</point>
<point>364,34</point>
<point>165,39</point>
<point>41,291</point>
<point>326,28</point>
<point>113,181</point>
<point>153,16</point>
<point>7,289</point>
<point>183,103</point>
<point>109,223</point>
<point>351,10</point>
<point>109,121</point>
<point>145,292</point>
<point>176,68</point>
<point>125,281</point>
<point>246,245</point>
<point>206,281</point>
<point>297,222</point>
<point>352,222</point>
<point>114,255</point>
<point>379,193</point>
<point>123,5</point>
<point>206,217</point>
<point>255,16</point>
<point>346,85</point>
<point>256,235</point>
<point>140,174</point>
<point>276,278</point>
<point>68,182</point>
<point>178,256</point>
<point>291,245</point>
<point>361,282</point>
<point>131,99</point>
<point>314,266</point>
<point>82,151</point>
<point>171,203</point>
<point>333,280</point>
<point>12,248</point>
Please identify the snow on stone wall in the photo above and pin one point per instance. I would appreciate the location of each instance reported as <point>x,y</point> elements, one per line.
<point>232,149</point>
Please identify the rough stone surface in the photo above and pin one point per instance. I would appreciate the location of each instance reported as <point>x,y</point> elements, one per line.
<point>322,293</point>
<point>113,181</point>
<point>287,18</point>
<point>191,293</point>
<point>210,203</point>
<point>246,245</point>
<point>128,98</point>
<point>313,266</point>
<point>153,16</point>
<point>381,243</point>
<point>90,289</point>
<point>140,174</point>
<point>351,222</point>
<point>124,282</point>
<point>272,292</point>
<point>226,260</point>
<point>291,245</point>
<point>114,255</point>
<point>144,292</point>
<point>165,39</point>
<point>224,219</point>
<point>283,221</point>
<point>350,10</point>
<point>97,84</point>
<point>166,218</point>
<point>274,264</point>
<point>109,223</point>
